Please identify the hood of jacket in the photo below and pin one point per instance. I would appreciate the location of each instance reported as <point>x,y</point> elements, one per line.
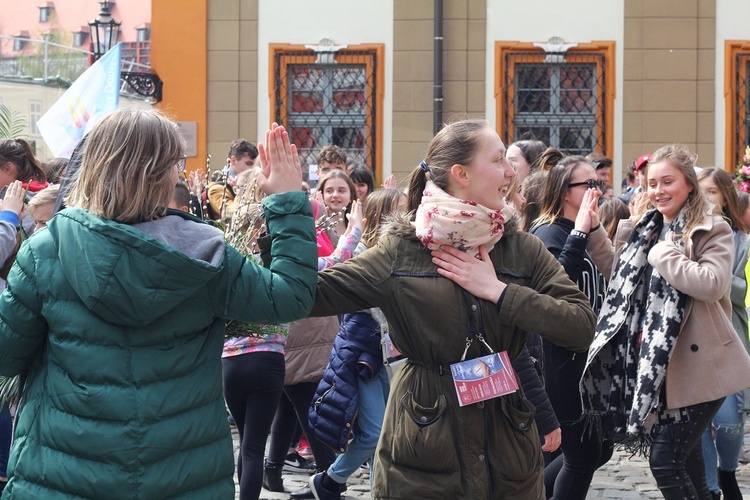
<point>121,272</point>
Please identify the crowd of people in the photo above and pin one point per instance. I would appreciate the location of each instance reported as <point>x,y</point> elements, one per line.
<point>159,306</point>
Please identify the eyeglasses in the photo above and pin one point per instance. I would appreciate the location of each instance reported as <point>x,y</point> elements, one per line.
<point>591,183</point>
<point>181,164</point>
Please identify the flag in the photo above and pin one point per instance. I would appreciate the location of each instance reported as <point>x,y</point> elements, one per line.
<point>91,97</point>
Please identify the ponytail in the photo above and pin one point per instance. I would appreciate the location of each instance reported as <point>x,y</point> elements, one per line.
<point>417,183</point>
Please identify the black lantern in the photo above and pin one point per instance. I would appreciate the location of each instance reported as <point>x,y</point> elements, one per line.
<point>104,31</point>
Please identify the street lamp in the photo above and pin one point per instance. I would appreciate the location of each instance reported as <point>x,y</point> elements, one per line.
<point>104,31</point>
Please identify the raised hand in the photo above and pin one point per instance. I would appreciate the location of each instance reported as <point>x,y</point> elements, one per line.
<point>280,170</point>
<point>389,182</point>
<point>355,217</point>
<point>588,215</point>
<point>14,197</point>
<point>477,276</point>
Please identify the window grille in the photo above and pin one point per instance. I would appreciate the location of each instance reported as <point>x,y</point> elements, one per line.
<point>322,104</point>
<point>559,103</point>
<point>742,103</point>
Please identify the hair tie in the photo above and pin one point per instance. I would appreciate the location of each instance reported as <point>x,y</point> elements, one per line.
<point>424,167</point>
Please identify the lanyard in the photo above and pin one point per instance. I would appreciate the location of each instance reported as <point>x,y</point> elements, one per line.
<point>474,331</point>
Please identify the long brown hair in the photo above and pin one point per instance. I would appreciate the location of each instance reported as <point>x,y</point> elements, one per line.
<point>732,211</point>
<point>456,143</point>
<point>19,153</point>
<point>378,206</point>
<point>555,187</point>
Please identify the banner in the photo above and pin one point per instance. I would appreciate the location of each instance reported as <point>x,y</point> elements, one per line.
<point>92,96</point>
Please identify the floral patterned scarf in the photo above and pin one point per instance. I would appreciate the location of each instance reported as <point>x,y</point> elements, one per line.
<point>445,220</point>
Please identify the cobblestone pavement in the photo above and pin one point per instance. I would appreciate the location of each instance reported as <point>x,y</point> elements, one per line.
<point>622,478</point>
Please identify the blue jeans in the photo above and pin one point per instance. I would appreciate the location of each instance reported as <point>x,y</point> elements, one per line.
<point>6,429</point>
<point>729,436</point>
<point>373,395</point>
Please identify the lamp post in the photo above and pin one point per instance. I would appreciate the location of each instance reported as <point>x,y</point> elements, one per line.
<point>104,32</point>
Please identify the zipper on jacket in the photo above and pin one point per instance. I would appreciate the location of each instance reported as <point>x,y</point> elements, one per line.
<point>415,275</point>
<point>319,401</point>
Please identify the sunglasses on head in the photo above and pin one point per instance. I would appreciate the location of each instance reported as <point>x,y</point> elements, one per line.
<point>592,184</point>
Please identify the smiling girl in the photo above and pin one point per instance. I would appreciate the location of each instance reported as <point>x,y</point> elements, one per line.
<point>338,193</point>
<point>665,353</point>
<point>498,280</point>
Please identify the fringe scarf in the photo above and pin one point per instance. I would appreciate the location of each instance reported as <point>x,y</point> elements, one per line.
<point>635,338</point>
<point>445,220</point>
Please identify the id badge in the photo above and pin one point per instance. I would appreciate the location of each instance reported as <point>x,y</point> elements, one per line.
<point>483,378</point>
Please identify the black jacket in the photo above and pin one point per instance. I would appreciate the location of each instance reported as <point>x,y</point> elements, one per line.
<point>563,368</point>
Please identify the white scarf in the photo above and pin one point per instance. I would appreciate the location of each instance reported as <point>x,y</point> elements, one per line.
<point>466,225</point>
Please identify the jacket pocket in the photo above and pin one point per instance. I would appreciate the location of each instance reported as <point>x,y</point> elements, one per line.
<point>423,437</point>
<point>520,440</point>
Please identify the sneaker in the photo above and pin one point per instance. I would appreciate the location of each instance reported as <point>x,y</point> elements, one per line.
<point>304,449</point>
<point>295,463</point>
<point>319,491</point>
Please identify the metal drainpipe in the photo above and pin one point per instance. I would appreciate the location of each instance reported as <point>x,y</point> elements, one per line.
<point>437,106</point>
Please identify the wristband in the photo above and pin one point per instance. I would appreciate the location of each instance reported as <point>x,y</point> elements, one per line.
<point>579,234</point>
<point>595,227</point>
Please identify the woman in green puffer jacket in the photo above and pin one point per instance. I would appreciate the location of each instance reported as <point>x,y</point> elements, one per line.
<point>117,311</point>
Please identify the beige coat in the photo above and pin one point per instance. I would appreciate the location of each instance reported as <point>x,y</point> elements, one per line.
<point>709,361</point>
<point>308,348</point>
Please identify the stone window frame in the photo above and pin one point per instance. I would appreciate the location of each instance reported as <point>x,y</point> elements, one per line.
<point>376,132</point>
<point>604,48</point>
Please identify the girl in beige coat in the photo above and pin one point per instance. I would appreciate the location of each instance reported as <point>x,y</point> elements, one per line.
<point>665,353</point>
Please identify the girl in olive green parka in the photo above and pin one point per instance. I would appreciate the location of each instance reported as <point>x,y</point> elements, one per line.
<point>482,276</point>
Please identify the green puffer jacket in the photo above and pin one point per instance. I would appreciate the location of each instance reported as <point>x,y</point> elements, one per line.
<point>430,447</point>
<point>121,328</point>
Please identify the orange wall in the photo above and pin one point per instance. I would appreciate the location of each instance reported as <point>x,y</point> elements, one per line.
<point>178,56</point>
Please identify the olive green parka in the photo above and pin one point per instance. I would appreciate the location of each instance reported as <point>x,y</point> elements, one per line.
<point>430,447</point>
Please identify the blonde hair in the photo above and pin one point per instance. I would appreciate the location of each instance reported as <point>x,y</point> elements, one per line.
<point>46,195</point>
<point>126,167</point>
<point>695,207</point>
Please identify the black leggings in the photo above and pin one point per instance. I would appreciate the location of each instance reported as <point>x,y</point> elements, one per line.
<point>584,450</point>
<point>676,459</point>
<point>285,421</point>
<point>253,384</point>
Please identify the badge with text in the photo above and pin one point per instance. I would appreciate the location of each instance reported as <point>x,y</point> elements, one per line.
<point>483,378</point>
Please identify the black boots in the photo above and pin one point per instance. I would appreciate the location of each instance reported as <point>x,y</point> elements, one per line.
<point>272,478</point>
<point>728,485</point>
